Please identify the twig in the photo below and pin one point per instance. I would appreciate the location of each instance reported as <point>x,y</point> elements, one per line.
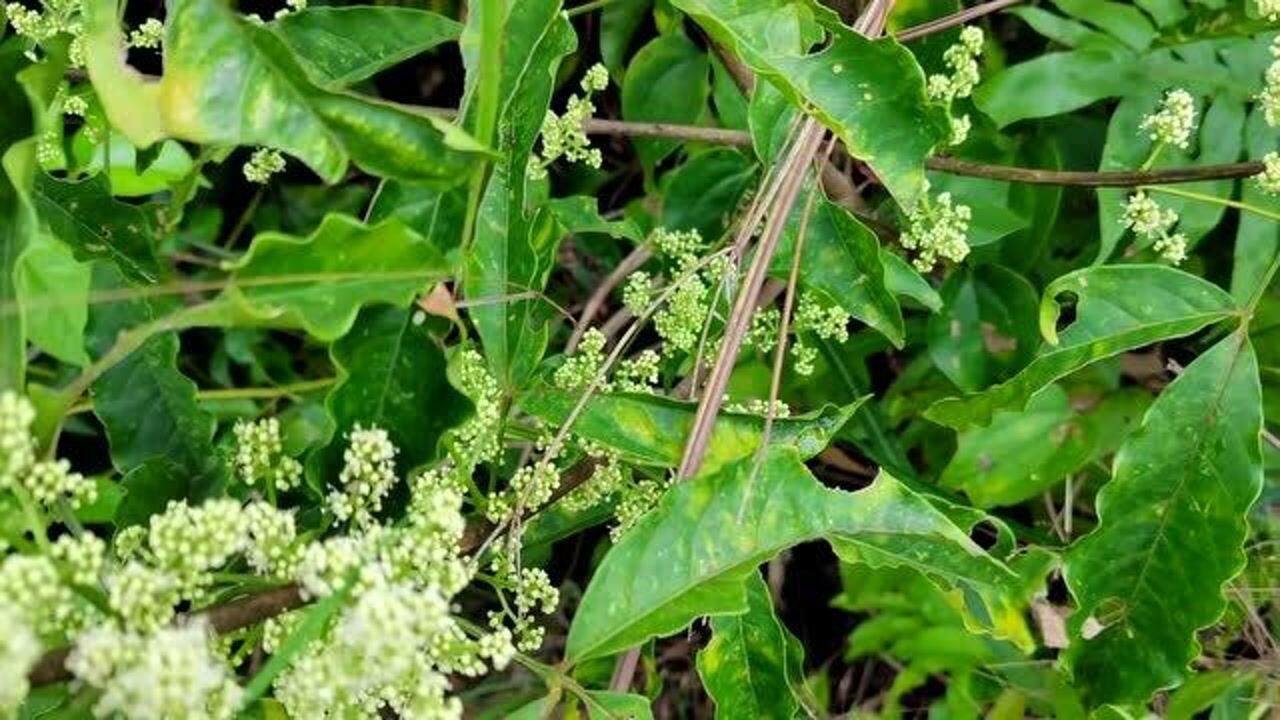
<point>1102,178</point>
<point>952,20</point>
<point>638,256</point>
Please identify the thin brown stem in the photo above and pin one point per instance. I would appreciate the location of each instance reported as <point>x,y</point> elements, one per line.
<point>632,262</point>
<point>952,20</point>
<point>1102,178</point>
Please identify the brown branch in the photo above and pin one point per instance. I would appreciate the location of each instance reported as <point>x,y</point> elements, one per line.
<point>1102,178</point>
<point>256,607</point>
<point>956,166</point>
<point>952,20</point>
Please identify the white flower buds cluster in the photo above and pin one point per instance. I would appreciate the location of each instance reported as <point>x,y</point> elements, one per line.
<point>563,136</point>
<point>264,163</point>
<point>1174,122</point>
<point>260,456</point>
<point>368,474</point>
<point>1147,219</point>
<point>149,35</point>
<point>937,229</point>
<point>962,60</point>
<point>46,482</point>
<point>1269,97</point>
<point>1269,179</point>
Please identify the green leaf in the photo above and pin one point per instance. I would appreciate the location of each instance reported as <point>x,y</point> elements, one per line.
<point>619,22</point>
<point>514,246</point>
<point>1171,524</point>
<point>606,705</point>
<point>148,407</point>
<point>435,214</point>
<point>580,214</point>
<point>1123,22</point>
<point>1023,453</point>
<point>1220,138</point>
<point>320,282</point>
<point>17,220</point>
<point>53,292</point>
<point>902,279</point>
<point>1118,308</point>
<point>95,225</point>
<point>512,256</point>
<point>745,668</point>
<point>886,121</point>
<point>393,376</point>
<point>340,46</point>
<point>690,556</point>
<point>987,330</point>
<point>704,191</point>
<point>666,83</point>
<point>1257,238</point>
<point>841,263</point>
<point>652,430</point>
<point>274,103</point>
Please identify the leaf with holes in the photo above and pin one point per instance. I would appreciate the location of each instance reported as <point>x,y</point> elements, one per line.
<point>1118,308</point>
<point>1171,524</point>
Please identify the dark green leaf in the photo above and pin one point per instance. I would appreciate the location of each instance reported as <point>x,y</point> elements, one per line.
<point>652,430</point>
<point>987,330</point>
<point>149,408</point>
<point>340,46</point>
<point>703,193</point>
<point>95,225</point>
<point>690,555</point>
<point>393,377</point>
<point>745,666</point>
<point>887,121</point>
<point>320,282</point>
<point>841,262</point>
<point>666,82</point>
<point>1171,526</point>
<point>1118,308</point>
<point>325,129</point>
<point>580,214</point>
<point>435,214</point>
<point>1023,453</point>
<point>1257,238</point>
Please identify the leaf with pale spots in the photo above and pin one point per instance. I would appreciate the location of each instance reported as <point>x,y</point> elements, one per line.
<point>689,556</point>
<point>1171,524</point>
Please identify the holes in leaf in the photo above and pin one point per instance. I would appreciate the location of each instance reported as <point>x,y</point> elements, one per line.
<point>985,534</point>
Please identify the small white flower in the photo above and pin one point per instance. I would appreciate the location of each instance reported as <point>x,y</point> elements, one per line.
<point>264,163</point>
<point>1174,122</point>
<point>1269,179</point>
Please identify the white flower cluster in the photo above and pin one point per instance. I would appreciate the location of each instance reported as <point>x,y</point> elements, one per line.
<point>639,373</point>
<point>19,650</point>
<point>260,456</point>
<point>392,646</point>
<point>563,136</point>
<point>1269,179</point>
<point>581,368</point>
<point>46,482</point>
<point>962,60</point>
<point>477,440</point>
<point>609,476</point>
<point>756,406</point>
<point>368,474</point>
<point>149,35</point>
<point>1148,220</point>
<point>75,105</point>
<point>1269,97</point>
<point>937,229</point>
<point>1174,122</point>
<point>173,673</point>
<point>55,17</point>
<point>262,164</point>
<point>1269,9</point>
<point>636,500</point>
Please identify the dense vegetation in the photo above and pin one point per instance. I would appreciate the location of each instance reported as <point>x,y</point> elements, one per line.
<point>674,358</point>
